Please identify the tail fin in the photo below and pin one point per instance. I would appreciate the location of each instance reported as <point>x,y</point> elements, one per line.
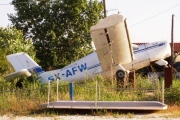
<point>23,61</point>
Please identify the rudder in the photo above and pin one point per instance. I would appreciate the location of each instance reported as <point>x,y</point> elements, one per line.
<point>23,61</point>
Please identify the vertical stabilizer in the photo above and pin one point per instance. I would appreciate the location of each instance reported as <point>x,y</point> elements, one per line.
<point>23,61</point>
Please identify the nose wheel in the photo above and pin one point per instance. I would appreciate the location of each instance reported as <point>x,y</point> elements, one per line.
<point>120,76</point>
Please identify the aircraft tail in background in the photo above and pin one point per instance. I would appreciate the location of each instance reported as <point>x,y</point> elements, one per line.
<point>23,61</point>
<point>24,66</point>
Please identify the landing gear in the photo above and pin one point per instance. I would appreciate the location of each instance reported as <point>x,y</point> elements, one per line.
<point>120,74</point>
<point>121,78</point>
<point>125,79</point>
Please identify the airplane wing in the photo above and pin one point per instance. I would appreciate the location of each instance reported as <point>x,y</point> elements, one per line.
<point>112,42</point>
<point>162,62</point>
<point>20,74</point>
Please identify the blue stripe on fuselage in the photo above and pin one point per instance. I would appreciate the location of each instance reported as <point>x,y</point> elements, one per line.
<point>93,66</point>
<point>36,69</point>
<point>148,48</point>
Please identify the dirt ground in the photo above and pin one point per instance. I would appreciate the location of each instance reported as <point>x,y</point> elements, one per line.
<point>87,117</point>
<point>172,113</point>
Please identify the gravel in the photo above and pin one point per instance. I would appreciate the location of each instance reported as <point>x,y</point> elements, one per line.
<point>88,117</point>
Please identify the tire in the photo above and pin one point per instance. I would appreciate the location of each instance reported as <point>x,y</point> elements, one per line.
<point>120,74</point>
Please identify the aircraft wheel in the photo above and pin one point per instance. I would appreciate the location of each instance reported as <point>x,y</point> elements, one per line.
<point>120,74</point>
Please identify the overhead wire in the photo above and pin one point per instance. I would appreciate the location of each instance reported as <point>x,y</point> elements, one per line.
<point>5,4</point>
<point>177,17</point>
<point>148,17</point>
<point>114,9</point>
<point>20,2</point>
<point>155,15</point>
<point>116,3</point>
<point>13,3</point>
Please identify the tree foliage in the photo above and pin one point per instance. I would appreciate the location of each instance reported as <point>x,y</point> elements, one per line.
<point>59,28</point>
<point>12,41</point>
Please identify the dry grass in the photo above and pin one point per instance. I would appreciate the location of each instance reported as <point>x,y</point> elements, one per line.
<point>173,111</point>
<point>26,101</point>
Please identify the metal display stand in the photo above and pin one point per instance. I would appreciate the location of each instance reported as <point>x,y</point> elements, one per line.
<point>121,105</point>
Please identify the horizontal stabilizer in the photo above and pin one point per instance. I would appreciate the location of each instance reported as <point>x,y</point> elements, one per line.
<point>162,62</point>
<point>20,74</point>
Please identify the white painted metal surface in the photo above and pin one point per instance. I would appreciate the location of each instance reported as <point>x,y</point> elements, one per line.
<point>89,66</point>
<point>111,39</point>
<point>119,105</point>
<point>24,73</point>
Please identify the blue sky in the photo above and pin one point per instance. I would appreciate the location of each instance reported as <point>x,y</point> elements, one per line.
<point>148,20</point>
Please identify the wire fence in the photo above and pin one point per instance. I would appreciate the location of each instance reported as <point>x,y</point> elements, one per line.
<point>92,90</point>
<point>102,92</point>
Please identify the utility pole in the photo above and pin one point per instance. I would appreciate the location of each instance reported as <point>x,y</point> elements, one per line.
<point>172,41</point>
<point>168,71</point>
<point>104,3</point>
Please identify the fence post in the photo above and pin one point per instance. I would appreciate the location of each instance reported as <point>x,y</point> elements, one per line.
<point>132,79</point>
<point>57,89</point>
<point>96,94</point>
<point>71,91</point>
<point>99,92</point>
<point>163,91</point>
<point>168,76</point>
<point>49,89</point>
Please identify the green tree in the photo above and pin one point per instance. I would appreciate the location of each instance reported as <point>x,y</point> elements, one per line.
<point>5,66</point>
<point>12,41</point>
<point>59,28</point>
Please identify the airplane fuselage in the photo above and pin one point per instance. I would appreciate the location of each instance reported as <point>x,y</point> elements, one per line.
<point>148,53</point>
<point>90,66</point>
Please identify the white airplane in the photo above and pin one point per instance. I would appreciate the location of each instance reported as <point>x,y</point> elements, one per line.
<point>114,56</point>
<point>90,66</point>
